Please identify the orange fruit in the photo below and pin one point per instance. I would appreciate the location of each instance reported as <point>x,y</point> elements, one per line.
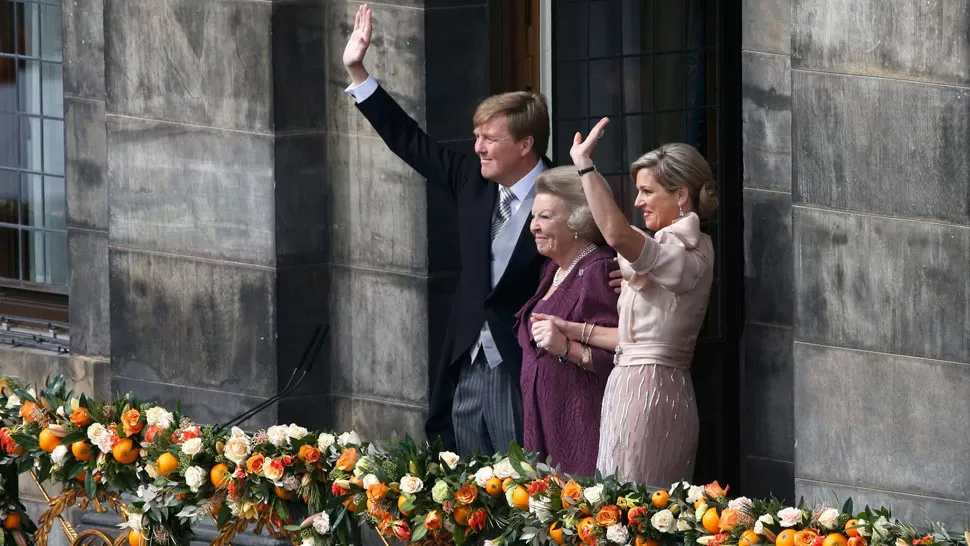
<point>283,493</point>
<point>585,529</point>
<point>493,486</point>
<point>125,451</point>
<point>166,464</point>
<point>660,498</point>
<point>48,440</point>
<point>555,533</point>
<point>351,503</point>
<point>520,498</point>
<point>400,502</point>
<point>850,527</point>
<point>835,539</point>
<point>506,483</point>
<point>136,538</point>
<point>461,514</point>
<point>749,538</point>
<point>81,451</point>
<point>80,477</point>
<point>785,538</point>
<point>646,542</point>
<point>711,521</point>
<point>219,476</point>
<point>12,521</point>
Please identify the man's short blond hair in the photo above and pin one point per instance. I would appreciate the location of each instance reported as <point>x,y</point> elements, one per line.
<point>527,114</point>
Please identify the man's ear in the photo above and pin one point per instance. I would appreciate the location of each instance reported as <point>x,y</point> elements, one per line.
<point>526,144</point>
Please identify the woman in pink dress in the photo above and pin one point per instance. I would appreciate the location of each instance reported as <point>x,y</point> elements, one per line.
<point>649,427</point>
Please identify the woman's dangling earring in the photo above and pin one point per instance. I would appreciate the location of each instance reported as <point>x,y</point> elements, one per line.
<point>576,233</point>
<point>680,208</point>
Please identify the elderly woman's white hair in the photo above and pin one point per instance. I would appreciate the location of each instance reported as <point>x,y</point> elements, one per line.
<point>566,184</point>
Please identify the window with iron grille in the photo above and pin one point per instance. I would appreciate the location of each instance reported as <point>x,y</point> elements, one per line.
<point>650,66</point>
<point>33,235</point>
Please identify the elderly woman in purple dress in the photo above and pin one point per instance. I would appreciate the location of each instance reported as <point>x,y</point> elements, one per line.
<point>563,380</point>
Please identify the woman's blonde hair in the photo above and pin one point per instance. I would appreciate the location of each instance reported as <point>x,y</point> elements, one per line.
<point>566,184</point>
<point>677,164</point>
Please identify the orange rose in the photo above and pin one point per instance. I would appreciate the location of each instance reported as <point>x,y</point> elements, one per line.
<point>309,454</point>
<point>255,463</point>
<point>729,518</point>
<point>714,490</point>
<point>80,417</point>
<point>28,412</point>
<point>857,541</point>
<point>131,422</point>
<point>805,537</point>
<point>571,493</point>
<point>348,459</point>
<point>609,515</point>
<point>377,492</point>
<point>637,515</point>
<point>467,494</point>
<point>433,520</point>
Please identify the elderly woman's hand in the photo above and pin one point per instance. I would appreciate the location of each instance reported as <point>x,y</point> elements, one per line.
<point>582,151</point>
<point>548,337</point>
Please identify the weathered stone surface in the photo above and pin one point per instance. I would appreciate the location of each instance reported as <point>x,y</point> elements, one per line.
<point>909,508</point>
<point>88,311</point>
<point>882,146</point>
<point>767,408</point>
<point>380,342</point>
<point>90,376</point>
<point>300,64</point>
<point>766,478</point>
<point>302,199</point>
<point>396,59</point>
<point>882,284</point>
<point>193,323</point>
<point>377,206</point>
<point>882,421</point>
<point>205,406</point>
<point>86,157</point>
<point>766,25</point>
<point>83,38</point>
<point>768,277</point>
<point>155,53</point>
<point>379,420</point>
<point>912,40</point>
<point>302,302</point>
<point>767,120</point>
<point>191,190</point>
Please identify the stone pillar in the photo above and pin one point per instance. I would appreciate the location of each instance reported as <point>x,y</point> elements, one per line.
<point>767,426</point>
<point>881,115</point>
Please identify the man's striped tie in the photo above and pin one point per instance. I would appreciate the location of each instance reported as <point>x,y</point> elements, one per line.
<point>504,209</point>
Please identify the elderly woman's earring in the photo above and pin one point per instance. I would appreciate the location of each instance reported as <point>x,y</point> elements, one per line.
<point>680,208</point>
<point>576,233</point>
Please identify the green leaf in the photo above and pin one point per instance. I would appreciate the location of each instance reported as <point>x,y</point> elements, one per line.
<point>281,510</point>
<point>24,395</point>
<point>89,485</point>
<point>292,527</point>
<point>419,533</point>
<point>74,437</point>
<point>517,457</point>
<point>847,507</point>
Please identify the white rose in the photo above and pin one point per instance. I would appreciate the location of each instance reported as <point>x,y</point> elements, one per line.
<point>195,477</point>
<point>95,432</point>
<point>695,493</point>
<point>151,471</point>
<point>617,533</point>
<point>295,432</point>
<point>369,480</point>
<point>829,519</point>
<point>739,504</point>
<point>59,454</point>
<point>767,519</point>
<point>664,521</point>
<point>594,494</point>
<point>683,525</point>
<point>759,527</point>
<point>236,432</point>
<point>349,438</point>
<point>60,411</point>
<point>789,517</point>
<point>276,435</point>
<point>411,484</point>
<point>273,472</point>
<point>237,449</point>
<point>13,401</point>
<point>324,441</point>
<point>449,458</point>
<point>483,475</point>
<point>504,469</point>
<point>321,523</point>
<point>159,417</point>
<point>192,446</point>
<point>861,527</point>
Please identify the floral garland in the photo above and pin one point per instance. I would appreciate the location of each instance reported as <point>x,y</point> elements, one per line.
<point>319,489</point>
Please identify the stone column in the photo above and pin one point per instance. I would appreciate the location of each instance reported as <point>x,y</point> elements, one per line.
<point>767,426</point>
<point>881,114</point>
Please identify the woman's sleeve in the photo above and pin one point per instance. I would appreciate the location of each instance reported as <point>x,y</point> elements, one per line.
<point>597,306</point>
<point>670,264</point>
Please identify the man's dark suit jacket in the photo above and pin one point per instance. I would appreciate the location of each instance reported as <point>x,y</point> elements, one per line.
<point>475,300</point>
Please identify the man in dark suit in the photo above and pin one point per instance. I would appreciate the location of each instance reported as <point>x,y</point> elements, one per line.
<point>476,403</point>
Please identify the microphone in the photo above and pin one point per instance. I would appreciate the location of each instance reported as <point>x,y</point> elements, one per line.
<point>310,353</point>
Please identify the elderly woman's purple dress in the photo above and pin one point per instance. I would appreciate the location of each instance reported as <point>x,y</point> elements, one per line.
<point>561,401</point>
